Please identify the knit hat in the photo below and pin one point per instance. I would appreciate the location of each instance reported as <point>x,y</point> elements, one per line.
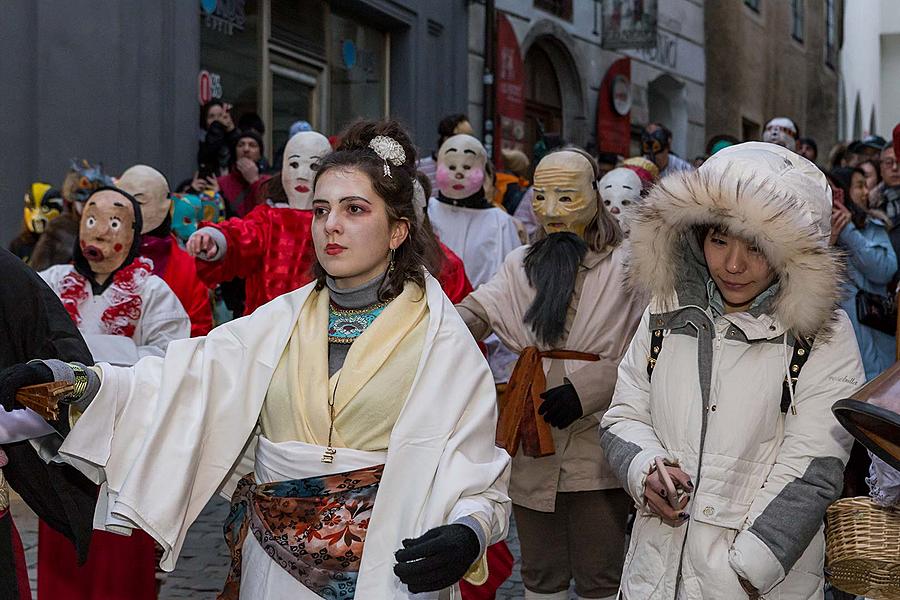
<point>253,134</point>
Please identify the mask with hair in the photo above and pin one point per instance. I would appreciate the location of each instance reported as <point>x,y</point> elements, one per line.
<point>565,198</point>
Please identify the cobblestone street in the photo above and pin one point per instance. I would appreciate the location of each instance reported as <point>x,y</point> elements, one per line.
<point>204,560</point>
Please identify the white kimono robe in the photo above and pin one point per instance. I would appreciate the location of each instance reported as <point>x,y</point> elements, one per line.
<point>165,435</point>
<point>162,320</point>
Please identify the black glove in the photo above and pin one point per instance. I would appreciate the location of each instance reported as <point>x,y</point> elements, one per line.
<point>561,406</point>
<point>18,376</point>
<point>437,559</point>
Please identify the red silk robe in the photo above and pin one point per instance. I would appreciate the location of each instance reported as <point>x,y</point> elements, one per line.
<point>271,248</point>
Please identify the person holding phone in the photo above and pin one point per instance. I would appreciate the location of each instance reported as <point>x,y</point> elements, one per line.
<point>720,426</point>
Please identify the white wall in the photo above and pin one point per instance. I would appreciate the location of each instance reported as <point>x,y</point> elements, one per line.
<point>889,115</point>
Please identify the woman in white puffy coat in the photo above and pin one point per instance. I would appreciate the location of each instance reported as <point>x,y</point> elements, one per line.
<point>745,290</point>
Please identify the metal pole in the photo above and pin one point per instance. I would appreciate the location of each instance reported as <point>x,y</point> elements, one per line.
<point>488,79</point>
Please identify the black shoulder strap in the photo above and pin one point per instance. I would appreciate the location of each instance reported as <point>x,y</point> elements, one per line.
<point>802,349</point>
<point>656,342</point>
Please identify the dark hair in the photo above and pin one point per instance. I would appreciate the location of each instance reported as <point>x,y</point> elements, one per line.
<point>874,165</point>
<point>603,231</point>
<point>418,250</point>
<point>253,121</point>
<point>448,125</point>
<point>809,142</point>
<point>843,177</point>
<point>274,189</point>
<point>204,110</point>
<point>665,129</point>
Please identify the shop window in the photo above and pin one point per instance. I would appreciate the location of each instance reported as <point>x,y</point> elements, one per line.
<point>798,19</point>
<point>358,69</point>
<point>230,52</point>
<point>560,8</point>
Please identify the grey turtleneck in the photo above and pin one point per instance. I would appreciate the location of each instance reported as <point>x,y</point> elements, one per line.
<point>356,298</point>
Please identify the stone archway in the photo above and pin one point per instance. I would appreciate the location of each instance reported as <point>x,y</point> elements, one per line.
<point>549,55</point>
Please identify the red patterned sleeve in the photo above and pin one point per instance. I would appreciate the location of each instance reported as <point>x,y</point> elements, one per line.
<point>246,243</point>
<point>453,277</point>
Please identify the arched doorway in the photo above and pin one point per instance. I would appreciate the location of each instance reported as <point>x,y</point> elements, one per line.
<point>667,104</point>
<point>543,100</point>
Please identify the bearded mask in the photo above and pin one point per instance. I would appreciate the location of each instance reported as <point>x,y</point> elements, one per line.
<point>301,153</point>
<point>150,188</point>
<point>564,195</point>
<point>110,230</point>
<point>620,190</point>
<point>781,131</point>
<point>460,167</point>
<point>42,205</point>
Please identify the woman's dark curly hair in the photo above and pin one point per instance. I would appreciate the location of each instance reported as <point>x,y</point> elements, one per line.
<point>419,249</point>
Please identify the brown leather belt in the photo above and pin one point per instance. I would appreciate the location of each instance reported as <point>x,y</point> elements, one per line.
<point>519,420</point>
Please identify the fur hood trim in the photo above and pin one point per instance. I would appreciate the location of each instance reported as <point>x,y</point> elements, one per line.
<point>758,191</point>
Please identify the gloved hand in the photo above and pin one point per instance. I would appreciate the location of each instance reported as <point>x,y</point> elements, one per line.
<point>561,406</point>
<point>437,559</point>
<point>18,376</point>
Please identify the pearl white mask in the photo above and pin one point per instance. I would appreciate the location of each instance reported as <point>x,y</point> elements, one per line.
<point>620,191</point>
<point>301,152</point>
<point>460,166</point>
<point>781,131</point>
<point>150,188</point>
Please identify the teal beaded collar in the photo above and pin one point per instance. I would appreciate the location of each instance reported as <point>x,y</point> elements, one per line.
<point>347,324</point>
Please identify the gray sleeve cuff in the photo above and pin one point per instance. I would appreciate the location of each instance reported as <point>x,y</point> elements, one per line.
<point>473,524</point>
<point>221,243</point>
<point>62,371</point>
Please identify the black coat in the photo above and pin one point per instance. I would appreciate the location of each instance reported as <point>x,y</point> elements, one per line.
<point>34,324</point>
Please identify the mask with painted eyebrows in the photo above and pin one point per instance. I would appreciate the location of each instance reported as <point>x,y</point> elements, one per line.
<point>564,196</point>
<point>460,167</point>
<point>301,154</point>
<point>106,233</point>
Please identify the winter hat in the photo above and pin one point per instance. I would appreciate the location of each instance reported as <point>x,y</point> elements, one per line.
<point>253,134</point>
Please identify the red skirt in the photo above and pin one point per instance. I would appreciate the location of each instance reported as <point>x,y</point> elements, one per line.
<point>117,568</point>
<point>14,558</point>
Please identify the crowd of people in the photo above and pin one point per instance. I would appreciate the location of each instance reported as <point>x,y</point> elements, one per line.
<point>635,358</point>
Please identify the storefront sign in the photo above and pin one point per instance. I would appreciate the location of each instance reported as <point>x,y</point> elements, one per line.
<point>510,90</point>
<point>225,16</point>
<point>629,24</point>
<point>614,109</point>
<point>209,86</point>
<point>665,53</point>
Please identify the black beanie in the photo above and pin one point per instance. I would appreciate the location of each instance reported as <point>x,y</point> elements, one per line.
<point>253,134</point>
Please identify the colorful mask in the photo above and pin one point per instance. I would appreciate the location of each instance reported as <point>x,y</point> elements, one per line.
<point>620,190</point>
<point>298,168</point>
<point>189,210</point>
<point>460,167</point>
<point>781,131</point>
<point>654,143</point>
<point>81,181</point>
<point>107,231</point>
<point>564,195</point>
<point>42,205</point>
<point>150,188</point>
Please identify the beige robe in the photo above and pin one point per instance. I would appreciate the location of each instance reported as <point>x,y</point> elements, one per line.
<point>601,319</point>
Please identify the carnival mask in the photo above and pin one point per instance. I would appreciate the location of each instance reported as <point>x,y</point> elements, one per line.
<point>654,143</point>
<point>189,210</point>
<point>620,190</point>
<point>107,231</point>
<point>460,167</point>
<point>42,205</point>
<point>301,155</point>
<point>150,188</point>
<point>781,131</point>
<point>564,195</point>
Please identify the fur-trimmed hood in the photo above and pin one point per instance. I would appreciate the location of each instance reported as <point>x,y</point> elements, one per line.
<point>755,190</point>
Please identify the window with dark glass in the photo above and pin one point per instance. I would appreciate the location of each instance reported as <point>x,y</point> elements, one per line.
<point>358,72</point>
<point>560,8</point>
<point>797,22</point>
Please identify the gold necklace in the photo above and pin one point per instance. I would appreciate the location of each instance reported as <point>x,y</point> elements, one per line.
<point>328,455</point>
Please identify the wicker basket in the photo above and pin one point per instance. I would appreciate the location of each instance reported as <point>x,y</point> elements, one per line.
<point>862,549</point>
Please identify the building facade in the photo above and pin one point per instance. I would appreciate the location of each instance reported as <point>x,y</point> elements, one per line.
<point>870,69</point>
<point>768,58</point>
<point>121,81</point>
<point>561,44</point>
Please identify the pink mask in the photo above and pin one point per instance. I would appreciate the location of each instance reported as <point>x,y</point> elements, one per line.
<point>460,167</point>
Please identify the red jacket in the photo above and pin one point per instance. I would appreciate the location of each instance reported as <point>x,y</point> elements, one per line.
<point>271,248</point>
<point>242,197</point>
<point>453,276</point>
<point>176,267</point>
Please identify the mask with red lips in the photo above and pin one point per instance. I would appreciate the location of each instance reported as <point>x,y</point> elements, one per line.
<point>107,231</point>
<point>301,153</point>
<point>460,167</point>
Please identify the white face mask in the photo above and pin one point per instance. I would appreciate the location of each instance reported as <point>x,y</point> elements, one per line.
<point>620,190</point>
<point>460,167</point>
<point>150,188</point>
<point>301,152</point>
<point>781,131</point>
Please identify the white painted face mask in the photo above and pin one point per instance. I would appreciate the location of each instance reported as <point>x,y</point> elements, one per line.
<point>781,131</point>
<point>620,191</point>
<point>150,188</point>
<point>460,167</point>
<point>301,154</point>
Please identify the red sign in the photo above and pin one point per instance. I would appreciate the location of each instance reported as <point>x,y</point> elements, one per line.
<point>510,89</point>
<point>204,87</point>
<point>613,109</point>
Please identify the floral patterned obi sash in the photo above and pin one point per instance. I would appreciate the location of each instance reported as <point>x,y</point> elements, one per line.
<point>314,528</point>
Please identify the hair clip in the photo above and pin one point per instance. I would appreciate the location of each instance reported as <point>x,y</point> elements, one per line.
<point>389,150</point>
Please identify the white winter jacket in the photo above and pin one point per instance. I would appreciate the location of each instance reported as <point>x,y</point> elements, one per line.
<point>764,470</point>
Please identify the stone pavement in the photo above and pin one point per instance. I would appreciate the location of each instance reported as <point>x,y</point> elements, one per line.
<point>204,560</point>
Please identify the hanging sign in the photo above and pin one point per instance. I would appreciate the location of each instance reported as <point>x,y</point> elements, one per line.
<point>614,109</point>
<point>510,90</point>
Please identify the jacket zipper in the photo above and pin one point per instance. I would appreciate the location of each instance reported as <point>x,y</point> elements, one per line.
<point>703,426</point>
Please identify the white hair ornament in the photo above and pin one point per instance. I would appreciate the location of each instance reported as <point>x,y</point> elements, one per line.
<point>390,151</point>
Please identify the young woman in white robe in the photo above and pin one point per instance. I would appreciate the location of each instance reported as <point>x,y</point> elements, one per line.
<point>411,394</point>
